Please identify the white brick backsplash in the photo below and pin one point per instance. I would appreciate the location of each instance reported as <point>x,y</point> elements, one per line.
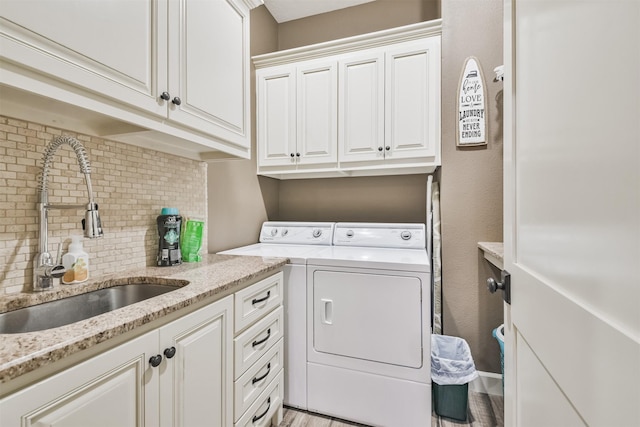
<point>130,185</point>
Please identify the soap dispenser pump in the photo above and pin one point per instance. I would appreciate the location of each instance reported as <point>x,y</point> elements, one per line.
<point>75,262</point>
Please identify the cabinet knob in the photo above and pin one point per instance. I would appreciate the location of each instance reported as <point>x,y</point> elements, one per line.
<point>176,101</point>
<point>293,155</point>
<point>387,148</point>
<point>156,360</point>
<point>169,352</point>
<point>297,154</point>
<point>379,148</point>
<point>165,96</point>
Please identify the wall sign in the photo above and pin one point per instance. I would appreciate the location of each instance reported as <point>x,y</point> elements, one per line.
<point>472,106</point>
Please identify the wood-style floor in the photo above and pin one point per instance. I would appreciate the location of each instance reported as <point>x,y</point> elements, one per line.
<point>484,411</point>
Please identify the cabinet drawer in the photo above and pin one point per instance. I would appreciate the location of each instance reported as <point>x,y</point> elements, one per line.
<point>257,300</point>
<point>257,340</point>
<point>257,378</point>
<point>265,406</point>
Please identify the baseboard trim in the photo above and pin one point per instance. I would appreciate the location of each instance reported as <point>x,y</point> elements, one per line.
<point>487,382</point>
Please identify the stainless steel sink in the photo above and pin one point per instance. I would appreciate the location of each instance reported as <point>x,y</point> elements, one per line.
<point>68,310</point>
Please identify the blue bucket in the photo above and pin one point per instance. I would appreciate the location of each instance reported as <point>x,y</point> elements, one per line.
<point>498,334</point>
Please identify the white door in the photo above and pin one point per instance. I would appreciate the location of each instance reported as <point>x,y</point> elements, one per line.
<point>361,106</point>
<point>412,99</point>
<point>376,317</point>
<point>116,388</point>
<point>196,385</point>
<point>209,67</point>
<point>106,47</point>
<point>572,213</point>
<point>276,116</point>
<point>370,320</point>
<point>317,112</point>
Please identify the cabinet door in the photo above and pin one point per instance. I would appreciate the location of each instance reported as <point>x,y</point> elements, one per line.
<point>107,47</point>
<point>209,67</point>
<point>117,388</point>
<point>276,116</point>
<point>412,89</point>
<point>361,106</point>
<point>317,112</point>
<point>196,384</point>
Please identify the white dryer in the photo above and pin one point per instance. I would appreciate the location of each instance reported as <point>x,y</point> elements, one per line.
<point>368,326</point>
<point>296,241</point>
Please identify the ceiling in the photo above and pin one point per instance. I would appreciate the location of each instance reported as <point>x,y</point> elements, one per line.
<point>288,10</point>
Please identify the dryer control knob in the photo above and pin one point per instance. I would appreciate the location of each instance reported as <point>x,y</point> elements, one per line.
<point>405,235</point>
<point>274,231</point>
<point>284,232</point>
<point>317,233</point>
<point>350,233</point>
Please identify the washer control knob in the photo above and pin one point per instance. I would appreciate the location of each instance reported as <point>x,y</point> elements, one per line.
<point>317,233</point>
<point>405,235</point>
<point>273,232</point>
<point>350,233</point>
<point>284,232</point>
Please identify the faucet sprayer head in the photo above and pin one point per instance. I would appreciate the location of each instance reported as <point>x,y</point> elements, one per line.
<point>44,268</point>
<point>91,223</point>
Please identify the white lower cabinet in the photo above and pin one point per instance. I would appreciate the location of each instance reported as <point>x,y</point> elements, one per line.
<point>190,386</point>
<point>257,379</point>
<point>116,388</point>
<point>267,409</point>
<point>196,383</point>
<point>259,354</point>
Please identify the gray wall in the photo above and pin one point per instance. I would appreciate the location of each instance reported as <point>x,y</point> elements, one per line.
<point>471,179</point>
<point>239,200</point>
<point>365,18</point>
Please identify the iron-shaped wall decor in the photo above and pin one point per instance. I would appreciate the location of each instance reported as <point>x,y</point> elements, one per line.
<point>472,106</point>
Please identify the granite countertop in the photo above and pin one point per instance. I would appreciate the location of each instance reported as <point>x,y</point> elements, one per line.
<point>215,275</point>
<point>493,252</point>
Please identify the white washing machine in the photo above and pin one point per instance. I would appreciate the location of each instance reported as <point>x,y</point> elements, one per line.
<point>369,324</point>
<point>296,241</point>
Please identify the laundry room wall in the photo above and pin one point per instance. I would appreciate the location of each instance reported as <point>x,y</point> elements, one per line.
<point>365,18</point>
<point>471,181</point>
<point>239,200</point>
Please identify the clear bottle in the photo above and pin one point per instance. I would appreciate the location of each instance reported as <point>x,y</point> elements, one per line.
<point>75,262</point>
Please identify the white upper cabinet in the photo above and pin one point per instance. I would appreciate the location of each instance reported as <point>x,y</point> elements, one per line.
<point>176,68</point>
<point>317,113</point>
<point>208,67</point>
<point>94,45</point>
<point>361,94</point>
<point>366,105</point>
<point>276,116</point>
<point>297,113</point>
<point>412,108</point>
